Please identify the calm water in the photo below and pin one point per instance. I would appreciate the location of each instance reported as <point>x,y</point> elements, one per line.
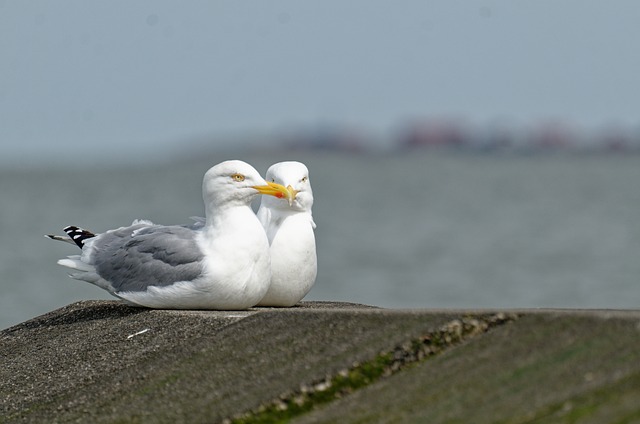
<point>421,230</point>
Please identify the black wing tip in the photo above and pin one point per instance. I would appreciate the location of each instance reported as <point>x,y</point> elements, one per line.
<point>78,235</point>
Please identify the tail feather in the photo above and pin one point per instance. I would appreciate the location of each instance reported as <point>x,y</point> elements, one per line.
<point>85,272</point>
<point>58,238</point>
<point>76,235</point>
<point>75,262</point>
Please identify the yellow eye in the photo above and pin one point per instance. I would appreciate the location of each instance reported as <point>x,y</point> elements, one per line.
<point>304,179</point>
<point>238,177</point>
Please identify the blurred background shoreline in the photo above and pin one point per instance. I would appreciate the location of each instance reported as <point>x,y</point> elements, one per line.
<point>421,136</point>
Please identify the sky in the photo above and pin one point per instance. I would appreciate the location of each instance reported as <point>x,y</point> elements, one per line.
<point>133,78</point>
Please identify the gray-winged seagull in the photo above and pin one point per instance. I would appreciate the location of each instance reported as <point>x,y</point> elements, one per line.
<point>223,264</point>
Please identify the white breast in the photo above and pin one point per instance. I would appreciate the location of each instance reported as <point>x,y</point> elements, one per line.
<point>293,261</point>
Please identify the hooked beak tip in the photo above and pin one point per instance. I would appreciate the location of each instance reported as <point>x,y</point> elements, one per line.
<point>292,194</point>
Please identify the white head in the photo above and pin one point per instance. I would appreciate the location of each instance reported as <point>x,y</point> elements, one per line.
<point>236,183</point>
<point>295,177</point>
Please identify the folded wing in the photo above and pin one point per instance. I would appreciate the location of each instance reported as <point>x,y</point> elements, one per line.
<point>136,257</point>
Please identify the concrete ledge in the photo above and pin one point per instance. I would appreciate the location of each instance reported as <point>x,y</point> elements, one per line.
<point>102,361</point>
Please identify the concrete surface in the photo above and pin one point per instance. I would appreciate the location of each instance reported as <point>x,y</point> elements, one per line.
<point>102,361</point>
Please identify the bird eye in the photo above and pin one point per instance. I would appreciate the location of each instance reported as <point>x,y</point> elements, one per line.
<point>273,180</point>
<point>238,177</point>
<point>304,179</point>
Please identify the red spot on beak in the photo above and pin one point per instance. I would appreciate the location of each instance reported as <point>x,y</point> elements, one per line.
<point>279,195</point>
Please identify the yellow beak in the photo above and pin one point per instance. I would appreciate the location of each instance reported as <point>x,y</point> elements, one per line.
<point>277,190</point>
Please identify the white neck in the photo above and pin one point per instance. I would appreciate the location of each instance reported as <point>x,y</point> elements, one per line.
<point>227,214</point>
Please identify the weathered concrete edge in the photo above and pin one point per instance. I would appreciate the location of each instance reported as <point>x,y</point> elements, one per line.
<point>328,307</point>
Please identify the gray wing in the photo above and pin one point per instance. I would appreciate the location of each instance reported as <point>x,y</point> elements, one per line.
<point>136,257</point>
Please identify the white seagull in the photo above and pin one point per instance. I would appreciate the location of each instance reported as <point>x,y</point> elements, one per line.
<point>223,263</point>
<point>289,226</point>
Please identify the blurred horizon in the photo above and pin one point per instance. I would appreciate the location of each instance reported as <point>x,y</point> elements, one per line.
<point>428,134</point>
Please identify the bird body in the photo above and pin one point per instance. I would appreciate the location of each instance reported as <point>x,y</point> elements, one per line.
<point>223,263</point>
<point>290,230</point>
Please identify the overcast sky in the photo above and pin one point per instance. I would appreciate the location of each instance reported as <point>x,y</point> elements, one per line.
<point>103,76</point>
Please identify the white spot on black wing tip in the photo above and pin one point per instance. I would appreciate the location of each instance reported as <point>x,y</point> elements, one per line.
<point>78,235</point>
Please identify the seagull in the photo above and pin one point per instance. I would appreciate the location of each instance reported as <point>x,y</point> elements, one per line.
<point>222,263</point>
<point>289,226</point>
